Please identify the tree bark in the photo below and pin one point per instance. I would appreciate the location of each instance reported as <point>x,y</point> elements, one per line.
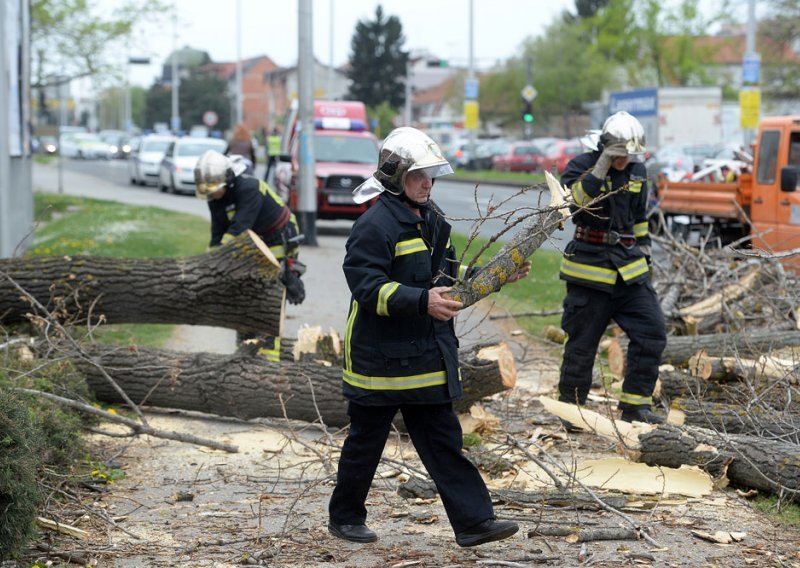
<point>246,386</point>
<point>748,461</point>
<point>737,419</point>
<point>536,230</point>
<point>680,348</point>
<point>234,286</point>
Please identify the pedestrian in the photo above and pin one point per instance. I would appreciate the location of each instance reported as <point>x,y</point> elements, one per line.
<point>400,346</point>
<point>606,267</point>
<point>239,202</point>
<point>273,151</point>
<point>241,143</point>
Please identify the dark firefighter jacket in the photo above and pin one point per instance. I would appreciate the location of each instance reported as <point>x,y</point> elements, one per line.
<point>249,204</point>
<point>602,265</point>
<point>394,351</point>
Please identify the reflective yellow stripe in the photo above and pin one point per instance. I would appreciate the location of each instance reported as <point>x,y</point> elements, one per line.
<point>278,251</point>
<point>634,269</point>
<point>384,294</point>
<point>226,238</point>
<point>348,332</point>
<point>394,383</point>
<point>274,353</point>
<point>635,186</point>
<point>581,198</point>
<point>628,398</point>
<point>640,229</point>
<point>588,272</point>
<point>410,247</point>
<point>462,271</point>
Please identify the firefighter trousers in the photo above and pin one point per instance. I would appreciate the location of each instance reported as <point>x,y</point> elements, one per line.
<point>587,313</point>
<point>436,434</point>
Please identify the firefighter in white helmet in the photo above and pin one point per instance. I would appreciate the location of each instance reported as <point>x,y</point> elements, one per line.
<point>607,269</point>
<point>400,347</point>
<point>239,202</point>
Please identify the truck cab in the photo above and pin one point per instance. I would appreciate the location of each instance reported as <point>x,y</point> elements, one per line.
<point>345,152</point>
<point>775,200</point>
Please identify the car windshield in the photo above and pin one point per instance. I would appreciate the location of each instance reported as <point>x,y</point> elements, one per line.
<point>522,150</point>
<point>345,149</point>
<point>197,148</point>
<point>87,138</point>
<point>155,145</point>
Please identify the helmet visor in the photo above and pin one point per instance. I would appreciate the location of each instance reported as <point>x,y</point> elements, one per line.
<point>205,188</point>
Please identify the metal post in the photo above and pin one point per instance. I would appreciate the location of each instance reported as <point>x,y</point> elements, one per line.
<point>175,123</point>
<point>126,122</point>
<point>62,120</point>
<point>239,111</point>
<point>528,134</point>
<point>307,196</point>
<point>751,55</point>
<point>471,70</point>
<point>329,89</point>
<point>409,93</point>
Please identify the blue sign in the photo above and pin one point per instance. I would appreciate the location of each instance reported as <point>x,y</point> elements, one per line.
<point>471,89</point>
<point>751,64</point>
<point>642,102</point>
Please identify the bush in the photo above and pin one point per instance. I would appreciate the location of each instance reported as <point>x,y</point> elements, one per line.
<point>20,463</point>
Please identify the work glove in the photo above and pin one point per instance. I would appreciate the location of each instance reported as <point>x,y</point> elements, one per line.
<point>295,289</point>
<point>610,153</point>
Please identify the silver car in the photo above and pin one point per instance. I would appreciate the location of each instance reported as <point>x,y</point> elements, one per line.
<point>176,173</point>
<point>145,158</point>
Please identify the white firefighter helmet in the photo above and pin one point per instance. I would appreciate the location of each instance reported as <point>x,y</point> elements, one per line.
<point>625,128</point>
<point>404,150</point>
<point>213,171</point>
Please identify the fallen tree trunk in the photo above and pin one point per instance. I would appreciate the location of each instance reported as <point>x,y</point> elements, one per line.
<point>737,419</point>
<point>536,230</point>
<point>246,386</point>
<point>680,348</point>
<point>748,461</point>
<point>234,286</point>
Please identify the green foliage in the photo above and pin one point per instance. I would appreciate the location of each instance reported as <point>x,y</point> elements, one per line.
<point>198,93</point>
<point>778,34</point>
<point>384,114</point>
<point>783,512</point>
<point>472,439</point>
<point>378,62</point>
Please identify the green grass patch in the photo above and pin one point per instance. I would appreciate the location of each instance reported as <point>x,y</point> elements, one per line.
<point>787,514</point>
<point>540,291</point>
<point>488,176</point>
<point>44,159</point>
<point>77,225</point>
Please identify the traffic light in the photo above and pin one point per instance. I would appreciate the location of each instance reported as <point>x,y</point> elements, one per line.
<point>527,112</point>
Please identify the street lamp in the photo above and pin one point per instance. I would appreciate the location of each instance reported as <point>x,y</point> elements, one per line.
<point>128,110</point>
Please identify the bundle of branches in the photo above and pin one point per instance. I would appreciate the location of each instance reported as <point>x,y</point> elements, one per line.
<point>706,290</point>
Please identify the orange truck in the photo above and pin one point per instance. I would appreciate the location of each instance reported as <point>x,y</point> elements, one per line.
<point>763,202</point>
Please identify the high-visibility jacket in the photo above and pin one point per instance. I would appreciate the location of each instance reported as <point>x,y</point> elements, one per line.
<point>249,204</point>
<point>394,351</point>
<point>601,265</point>
<point>273,145</point>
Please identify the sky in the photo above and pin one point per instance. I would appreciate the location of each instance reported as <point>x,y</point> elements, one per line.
<point>269,27</point>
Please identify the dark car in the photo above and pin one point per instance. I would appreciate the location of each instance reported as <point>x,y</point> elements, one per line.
<point>519,157</point>
<point>485,150</point>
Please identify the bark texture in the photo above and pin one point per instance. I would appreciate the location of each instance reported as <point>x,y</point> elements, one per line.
<point>680,349</point>
<point>748,461</point>
<point>234,286</point>
<point>738,419</point>
<point>245,386</point>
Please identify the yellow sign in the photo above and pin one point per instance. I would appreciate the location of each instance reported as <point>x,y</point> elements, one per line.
<point>749,107</point>
<point>471,115</point>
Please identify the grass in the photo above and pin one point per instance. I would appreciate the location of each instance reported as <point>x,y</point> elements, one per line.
<point>788,514</point>
<point>521,178</point>
<point>75,225</point>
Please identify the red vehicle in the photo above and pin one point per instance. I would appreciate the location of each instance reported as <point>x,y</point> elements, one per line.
<point>345,154</point>
<point>518,157</point>
<point>559,153</point>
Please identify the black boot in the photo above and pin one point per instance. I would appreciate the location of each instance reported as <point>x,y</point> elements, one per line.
<point>640,413</point>
<point>489,530</point>
<point>353,533</point>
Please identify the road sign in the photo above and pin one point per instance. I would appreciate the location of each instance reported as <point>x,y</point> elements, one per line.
<point>471,89</point>
<point>529,93</point>
<point>471,115</point>
<point>751,64</point>
<point>210,118</point>
<point>749,106</point>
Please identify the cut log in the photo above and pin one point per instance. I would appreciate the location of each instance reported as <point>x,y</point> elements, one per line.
<point>536,230</point>
<point>246,386</point>
<point>714,303</point>
<point>748,461</point>
<point>737,419</point>
<point>680,348</point>
<point>234,286</point>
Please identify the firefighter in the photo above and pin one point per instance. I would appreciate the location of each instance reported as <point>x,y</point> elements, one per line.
<point>606,267</point>
<point>400,344</point>
<point>239,202</point>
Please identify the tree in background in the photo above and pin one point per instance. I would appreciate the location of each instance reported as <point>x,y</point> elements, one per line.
<point>199,92</point>
<point>779,77</point>
<point>378,62</point>
<point>69,40</point>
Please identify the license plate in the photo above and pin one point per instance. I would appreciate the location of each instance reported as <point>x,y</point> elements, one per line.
<point>341,199</point>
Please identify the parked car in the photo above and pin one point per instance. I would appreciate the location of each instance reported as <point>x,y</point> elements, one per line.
<point>117,141</point>
<point>485,150</point>
<point>145,158</point>
<point>176,172</point>
<point>559,153</point>
<point>83,145</point>
<point>47,145</point>
<point>519,157</point>
<point>458,155</point>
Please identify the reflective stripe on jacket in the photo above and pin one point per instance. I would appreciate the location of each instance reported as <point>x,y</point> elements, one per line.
<point>394,351</point>
<point>624,211</point>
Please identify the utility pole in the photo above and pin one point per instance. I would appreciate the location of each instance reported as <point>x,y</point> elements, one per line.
<point>307,197</point>
<point>471,88</point>
<point>175,123</point>
<point>750,95</point>
<point>329,89</point>
<point>239,111</point>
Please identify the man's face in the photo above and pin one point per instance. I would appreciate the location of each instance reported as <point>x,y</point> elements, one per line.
<point>620,163</point>
<point>217,194</point>
<point>418,186</point>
